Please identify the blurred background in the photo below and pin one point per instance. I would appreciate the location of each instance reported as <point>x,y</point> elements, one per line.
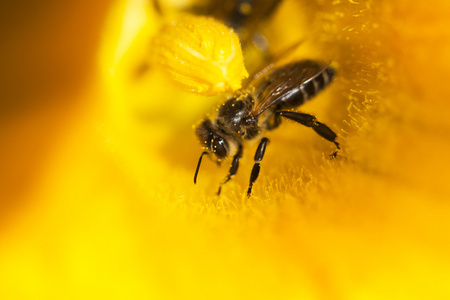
<point>48,58</point>
<point>98,152</point>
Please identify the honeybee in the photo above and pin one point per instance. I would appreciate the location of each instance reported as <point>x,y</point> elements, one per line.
<point>269,96</point>
<point>244,16</point>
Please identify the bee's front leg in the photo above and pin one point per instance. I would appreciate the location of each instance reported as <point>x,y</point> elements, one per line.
<point>233,168</point>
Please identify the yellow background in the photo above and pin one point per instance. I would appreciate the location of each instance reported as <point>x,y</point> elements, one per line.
<point>97,162</point>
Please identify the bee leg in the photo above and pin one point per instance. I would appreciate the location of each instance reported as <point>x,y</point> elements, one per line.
<point>311,121</point>
<point>233,168</point>
<point>256,167</point>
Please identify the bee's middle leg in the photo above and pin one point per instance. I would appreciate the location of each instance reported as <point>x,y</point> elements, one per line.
<point>256,167</point>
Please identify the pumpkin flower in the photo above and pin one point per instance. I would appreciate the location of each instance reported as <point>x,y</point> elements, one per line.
<point>98,155</point>
<point>200,53</point>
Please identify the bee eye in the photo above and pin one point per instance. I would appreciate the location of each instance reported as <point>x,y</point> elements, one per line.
<point>219,147</point>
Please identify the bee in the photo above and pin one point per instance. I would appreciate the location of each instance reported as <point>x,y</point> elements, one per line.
<point>269,96</point>
<point>238,14</point>
<point>244,16</point>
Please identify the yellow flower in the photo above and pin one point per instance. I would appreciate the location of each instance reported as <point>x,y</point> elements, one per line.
<point>200,53</point>
<point>98,160</point>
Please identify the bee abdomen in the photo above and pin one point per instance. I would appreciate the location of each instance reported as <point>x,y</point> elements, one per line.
<point>307,89</point>
<point>313,86</point>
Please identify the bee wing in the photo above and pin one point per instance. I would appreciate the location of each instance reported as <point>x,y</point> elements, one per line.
<point>264,69</point>
<point>273,88</point>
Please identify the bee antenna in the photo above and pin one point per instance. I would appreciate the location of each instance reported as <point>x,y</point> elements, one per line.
<point>198,166</point>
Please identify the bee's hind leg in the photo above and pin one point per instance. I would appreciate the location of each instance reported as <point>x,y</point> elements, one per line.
<point>256,167</point>
<point>311,121</point>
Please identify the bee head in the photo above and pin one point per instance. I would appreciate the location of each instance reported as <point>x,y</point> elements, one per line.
<point>211,140</point>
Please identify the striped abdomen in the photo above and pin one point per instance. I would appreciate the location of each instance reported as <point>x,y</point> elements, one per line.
<point>308,89</point>
<point>312,87</point>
